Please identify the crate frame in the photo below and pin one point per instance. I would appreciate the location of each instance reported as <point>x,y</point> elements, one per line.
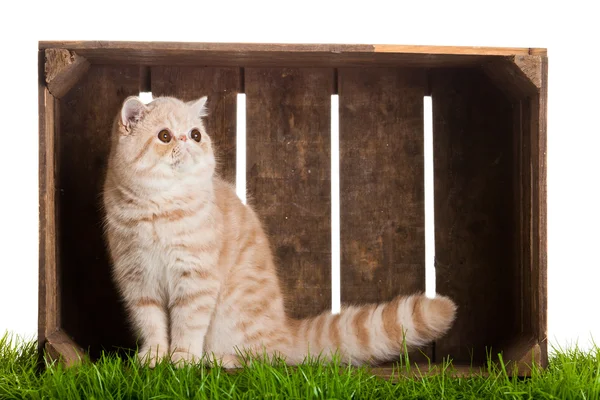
<point>519,73</point>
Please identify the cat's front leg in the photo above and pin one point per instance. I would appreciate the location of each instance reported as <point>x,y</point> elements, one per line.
<point>193,298</point>
<point>147,309</point>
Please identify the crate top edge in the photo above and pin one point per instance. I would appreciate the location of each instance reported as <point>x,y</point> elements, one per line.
<point>290,47</point>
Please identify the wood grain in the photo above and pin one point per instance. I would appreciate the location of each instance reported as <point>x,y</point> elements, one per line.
<point>474,212</point>
<point>523,351</point>
<point>48,310</point>
<point>524,78</point>
<point>539,249</point>
<point>471,50</point>
<point>221,85</point>
<point>271,55</point>
<point>289,179</point>
<point>381,183</point>
<point>61,348</point>
<point>63,68</point>
<point>510,78</point>
<point>522,180</point>
<point>531,66</point>
<point>91,310</point>
<point>292,47</point>
<point>382,210</point>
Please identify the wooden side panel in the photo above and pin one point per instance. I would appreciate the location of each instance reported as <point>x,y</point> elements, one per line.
<point>522,122</point>
<point>539,251</point>
<point>382,212</point>
<point>289,179</point>
<point>474,212</point>
<point>221,85</point>
<point>48,312</point>
<point>91,311</point>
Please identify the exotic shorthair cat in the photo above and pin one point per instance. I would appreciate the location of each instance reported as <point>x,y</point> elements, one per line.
<point>194,266</point>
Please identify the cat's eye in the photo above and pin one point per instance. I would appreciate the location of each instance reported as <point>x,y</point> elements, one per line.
<point>164,136</point>
<point>196,135</point>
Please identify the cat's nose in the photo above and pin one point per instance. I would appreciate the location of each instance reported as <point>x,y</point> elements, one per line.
<point>183,138</point>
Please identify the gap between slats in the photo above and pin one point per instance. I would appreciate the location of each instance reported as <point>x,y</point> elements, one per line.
<point>430,287</point>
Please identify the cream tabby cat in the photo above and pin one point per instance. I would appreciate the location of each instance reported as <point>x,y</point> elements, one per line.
<point>194,266</point>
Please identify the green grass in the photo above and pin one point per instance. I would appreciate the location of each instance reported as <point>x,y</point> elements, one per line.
<point>572,374</point>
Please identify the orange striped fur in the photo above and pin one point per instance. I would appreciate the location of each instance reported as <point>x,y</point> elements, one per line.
<point>194,266</point>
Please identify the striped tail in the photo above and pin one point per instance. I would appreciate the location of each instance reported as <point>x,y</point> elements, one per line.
<point>376,332</point>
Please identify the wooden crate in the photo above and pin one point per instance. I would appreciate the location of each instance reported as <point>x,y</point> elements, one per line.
<point>489,127</point>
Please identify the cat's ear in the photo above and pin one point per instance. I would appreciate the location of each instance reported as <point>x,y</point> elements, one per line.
<point>199,107</point>
<point>133,111</point>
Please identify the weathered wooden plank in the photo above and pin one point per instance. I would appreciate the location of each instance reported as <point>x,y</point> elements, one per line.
<point>48,310</point>
<point>381,183</point>
<point>539,223</point>
<point>221,85</point>
<point>382,211</point>
<point>292,47</point>
<point>522,200</point>
<point>61,348</point>
<point>289,179</point>
<point>63,68</point>
<point>474,212</point>
<point>278,55</point>
<point>91,309</point>
<point>530,147</point>
<point>466,50</point>
<point>528,291</point>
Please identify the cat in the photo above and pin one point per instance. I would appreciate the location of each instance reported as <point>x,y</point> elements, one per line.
<point>194,266</point>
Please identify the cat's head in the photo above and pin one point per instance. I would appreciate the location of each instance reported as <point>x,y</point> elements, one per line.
<point>165,138</point>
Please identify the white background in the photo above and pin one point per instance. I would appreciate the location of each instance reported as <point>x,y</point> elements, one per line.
<point>569,31</point>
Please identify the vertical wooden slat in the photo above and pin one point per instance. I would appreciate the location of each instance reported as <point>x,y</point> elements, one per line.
<point>48,311</point>
<point>289,179</point>
<point>381,183</point>
<point>518,237</point>
<point>382,210</point>
<point>539,249</point>
<point>523,160</point>
<point>221,85</point>
<point>91,309</point>
<point>474,206</point>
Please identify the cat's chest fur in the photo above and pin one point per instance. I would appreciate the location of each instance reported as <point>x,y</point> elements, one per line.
<point>164,228</point>
<point>179,228</point>
<point>163,245</point>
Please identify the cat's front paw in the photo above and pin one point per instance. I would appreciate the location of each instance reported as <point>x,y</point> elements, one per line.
<point>152,355</point>
<point>230,361</point>
<point>227,361</point>
<point>181,358</point>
